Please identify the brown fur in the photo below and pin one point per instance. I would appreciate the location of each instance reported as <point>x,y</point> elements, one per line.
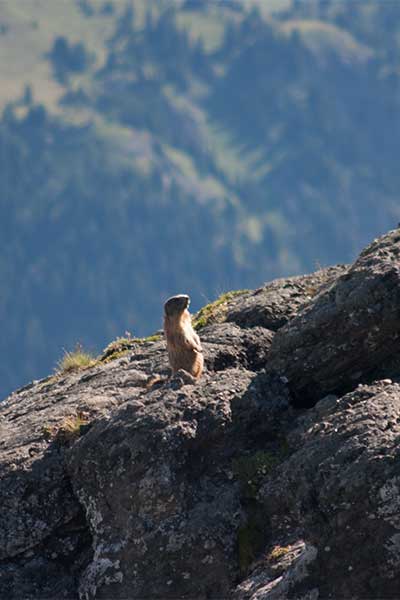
<point>183,343</point>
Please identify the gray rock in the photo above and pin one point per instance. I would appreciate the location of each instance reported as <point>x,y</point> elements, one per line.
<point>156,483</point>
<point>277,302</point>
<point>276,577</point>
<point>162,510</point>
<point>45,540</point>
<point>349,333</point>
<point>227,345</point>
<point>115,487</point>
<point>341,485</point>
<point>77,514</point>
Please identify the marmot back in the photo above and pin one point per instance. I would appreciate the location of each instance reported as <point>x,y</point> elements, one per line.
<point>183,343</point>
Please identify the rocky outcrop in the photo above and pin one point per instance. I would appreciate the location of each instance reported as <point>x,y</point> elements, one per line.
<point>275,476</point>
<point>340,490</point>
<point>276,303</point>
<point>350,332</point>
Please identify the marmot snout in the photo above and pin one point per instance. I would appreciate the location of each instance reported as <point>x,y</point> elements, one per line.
<point>183,343</point>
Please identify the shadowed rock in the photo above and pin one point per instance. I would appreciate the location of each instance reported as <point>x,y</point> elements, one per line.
<point>274,304</point>
<point>339,490</point>
<point>227,345</point>
<point>349,333</point>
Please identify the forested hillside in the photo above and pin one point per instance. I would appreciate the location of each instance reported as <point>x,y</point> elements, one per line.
<point>152,148</point>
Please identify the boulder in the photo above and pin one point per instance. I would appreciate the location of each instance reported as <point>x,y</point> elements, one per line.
<point>101,473</point>
<point>156,487</point>
<point>277,302</point>
<point>350,332</point>
<point>339,491</point>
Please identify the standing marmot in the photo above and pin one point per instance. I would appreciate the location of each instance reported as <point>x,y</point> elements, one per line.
<point>183,343</point>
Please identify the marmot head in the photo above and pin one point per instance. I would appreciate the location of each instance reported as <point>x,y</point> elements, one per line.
<point>176,305</point>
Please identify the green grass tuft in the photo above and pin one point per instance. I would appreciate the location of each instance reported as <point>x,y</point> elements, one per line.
<point>215,311</point>
<point>78,359</point>
<point>122,345</point>
<point>117,348</point>
<point>75,361</point>
<point>114,356</point>
<point>150,338</point>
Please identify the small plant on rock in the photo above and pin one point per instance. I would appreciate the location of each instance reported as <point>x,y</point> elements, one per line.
<point>72,428</point>
<point>215,311</point>
<point>277,552</point>
<point>75,360</point>
<point>117,348</point>
<point>122,345</point>
<point>68,430</point>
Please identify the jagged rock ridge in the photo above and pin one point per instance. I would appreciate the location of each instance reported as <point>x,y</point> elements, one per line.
<point>261,482</point>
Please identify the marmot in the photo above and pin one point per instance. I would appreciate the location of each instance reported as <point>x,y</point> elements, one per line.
<point>183,343</point>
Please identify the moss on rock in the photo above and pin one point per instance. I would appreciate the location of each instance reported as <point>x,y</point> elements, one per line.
<point>215,311</point>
